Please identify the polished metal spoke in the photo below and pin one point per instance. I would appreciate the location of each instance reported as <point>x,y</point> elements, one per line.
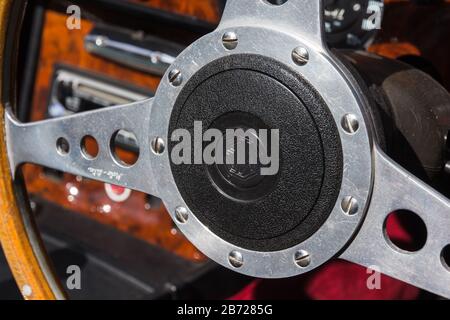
<point>37,143</point>
<point>302,15</point>
<point>396,189</point>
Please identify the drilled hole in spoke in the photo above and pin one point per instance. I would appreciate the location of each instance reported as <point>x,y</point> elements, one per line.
<point>276,2</point>
<point>405,230</point>
<point>125,147</point>
<point>445,257</point>
<point>89,147</point>
<point>62,146</point>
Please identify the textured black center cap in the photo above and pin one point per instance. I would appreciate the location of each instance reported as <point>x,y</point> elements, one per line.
<point>235,201</point>
<point>243,181</point>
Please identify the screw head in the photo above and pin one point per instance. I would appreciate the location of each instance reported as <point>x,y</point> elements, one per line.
<point>236,259</point>
<point>350,123</point>
<point>230,40</point>
<point>158,145</point>
<point>302,258</point>
<point>349,205</point>
<point>300,56</point>
<point>175,77</point>
<point>181,214</point>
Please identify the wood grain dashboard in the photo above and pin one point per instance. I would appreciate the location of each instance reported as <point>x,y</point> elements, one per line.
<point>135,216</point>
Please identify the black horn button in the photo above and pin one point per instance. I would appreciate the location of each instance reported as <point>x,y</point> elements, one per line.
<point>243,207</point>
<point>242,181</point>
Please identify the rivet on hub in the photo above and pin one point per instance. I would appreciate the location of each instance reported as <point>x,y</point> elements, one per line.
<point>230,40</point>
<point>236,259</point>
<point>158,145</point>
<point>302,258</point>
<point>181,214</point>
<point>350,123</point>
<point>175,77</point>
<point>349,205</point>
<point>300,56</point>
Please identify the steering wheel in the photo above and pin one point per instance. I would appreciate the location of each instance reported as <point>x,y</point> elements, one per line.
<point>267,66</point>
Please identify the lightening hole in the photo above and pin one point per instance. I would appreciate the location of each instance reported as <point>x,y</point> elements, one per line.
<point>405,230</point>
<point>62,146</point>
<point>276,2</point>
<point>89,147</point>
<point>445,257</point>
<point>125,147</point>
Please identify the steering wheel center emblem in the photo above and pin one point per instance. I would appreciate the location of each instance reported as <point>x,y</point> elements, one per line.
<point>242,175</point>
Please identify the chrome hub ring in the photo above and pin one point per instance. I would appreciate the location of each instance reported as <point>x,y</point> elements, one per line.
<point>339,93</point>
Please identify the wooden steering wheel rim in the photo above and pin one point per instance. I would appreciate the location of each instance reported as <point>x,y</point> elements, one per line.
<point>19,236</point>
